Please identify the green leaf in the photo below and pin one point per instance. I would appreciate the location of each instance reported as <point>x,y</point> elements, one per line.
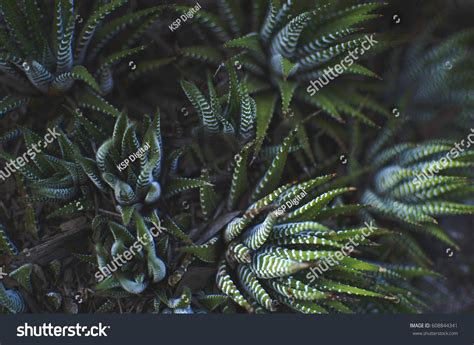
<point>95,102</point>
<point>90,26</point>
<point>203,53</point>
<point>206,252</point>
<point>265,107</point>
<point>211,302</point>
<point>6,245</point>
<point>248,111</point>
<point>145,67</point>
<point>285,41</point>
<point>73,207</point>
<point>250,41</point>
<point>330,285</point>
<point>233,15</point>
<point>323,102</point>
<point>81,73</point>
<point>239,182</point>
<point>228,287</point>
<point>311,209</point>
<point>283,66</point>
<point>272,177</point>
<point>255,289</point>
<point>175,230</point>
<point>116,57</point>
<point>181,184</point>
<point>208,119</point>
<point>359,69</point>
<point>110,29</point>
<point>23,276</point>
<point>12,102</point>
<point>207,196</point>
<point>287,89</point>
<point>17,25</point>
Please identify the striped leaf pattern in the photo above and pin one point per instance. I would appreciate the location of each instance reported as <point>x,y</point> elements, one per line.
<point>298,43</point>
<point>217,118</point>
<point>45,65</point>
<point>415,184</point>
<point>278,245</point>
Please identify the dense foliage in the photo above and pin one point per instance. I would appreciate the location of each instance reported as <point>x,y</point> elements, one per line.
<point>193,169</point>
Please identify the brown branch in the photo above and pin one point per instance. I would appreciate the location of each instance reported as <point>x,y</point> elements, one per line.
<point>56,247</point>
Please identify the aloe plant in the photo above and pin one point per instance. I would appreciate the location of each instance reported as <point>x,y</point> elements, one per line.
<point>144,243</point>
<point>135,182</point>
<point>276,241</point>
<point>417,183</point>
<point>37,65</point>
<point>282,48</point>
<point>434,78</point>
<point>75,175</point>
<point>287,44</point>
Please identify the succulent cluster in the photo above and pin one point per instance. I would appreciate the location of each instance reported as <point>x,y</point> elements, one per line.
<point>437,77</point>
<point>222,184</point>
<point>270,249</point>
<point>290,44</point>
<point>37,66</point>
